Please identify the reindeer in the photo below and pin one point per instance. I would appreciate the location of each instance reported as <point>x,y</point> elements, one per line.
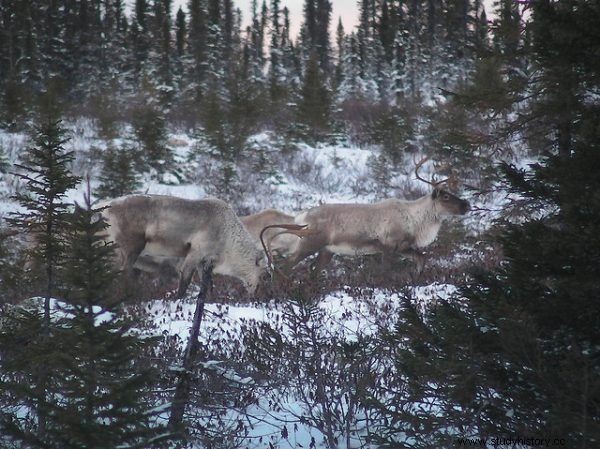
<point>192,234</point>
<point>279,244</point>
<point>393,225</point>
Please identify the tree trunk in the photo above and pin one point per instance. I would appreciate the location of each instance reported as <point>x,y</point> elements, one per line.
<point>182,391</point>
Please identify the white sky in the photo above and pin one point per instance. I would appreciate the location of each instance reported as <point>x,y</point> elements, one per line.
<point>346,9</point>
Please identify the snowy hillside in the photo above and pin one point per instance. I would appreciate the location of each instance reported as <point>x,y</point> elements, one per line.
<point>279,414</point>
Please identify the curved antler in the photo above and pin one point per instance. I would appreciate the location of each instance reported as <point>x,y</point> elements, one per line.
<point>432,183</point>
<point>298,230</point>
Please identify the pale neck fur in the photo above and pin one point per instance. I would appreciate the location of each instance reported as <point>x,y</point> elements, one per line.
<point>238,254</point>
<point>426,220</point>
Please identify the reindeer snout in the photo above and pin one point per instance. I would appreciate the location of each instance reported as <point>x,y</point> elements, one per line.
<point>465,207</point>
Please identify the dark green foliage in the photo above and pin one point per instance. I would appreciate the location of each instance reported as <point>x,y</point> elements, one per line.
<point>3,162</point>
<point>118,176</point>
<point>315,32</point>
<point>542,304</point>
<point>518,354</point>
<point>180,33</point>
<point>97,390</point>
<point>507,33</point>
<point>162,35</point>
<point>11,266</point>
<point>314,105</point>
<point>14,104</point>
<point>46,175</point>
<point>393,130</point>
<point>84,50</point>
<point>381,171</point>
<point>150,130</point>
<point>26,355</point>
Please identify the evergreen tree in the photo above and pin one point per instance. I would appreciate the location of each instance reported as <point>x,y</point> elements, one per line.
<point>140,37</point>
<point>150,130</point>
<point>481,30</point>
<point>340,43</point>
<point>518,355</point>
<point>315,32</point>
<point>162,39</point>
<point>229,31</point>
<point>314,106</point>
<point>118,176</point>
<point>264,20</point>
<point>364,34</point>
<point>20,75</point>
<point>322,41</point>
<point>275,69</point>
<point>47,177</point>
<point>507,33</point>
<point>289,56</point>
<point>386,31</point>
<point>196,40</point>
<point>180,50</point>
<point>180,33</point>
<point>99,388</point>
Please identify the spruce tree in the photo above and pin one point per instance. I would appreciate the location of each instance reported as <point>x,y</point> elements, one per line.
<point>275,69</point>
<point>107,390</point>
<point>290,66</point>
<point>180,27</point>
<point>322,41</point>
<point>46,174</point>
<point>340,43</point>
<point>118,176</point>
<point>47,177</point>
<point>99,384</point>
<point>264,21</point>
<point>162,41</point>
<point>314,105</point>
<point>517,353</point>
<point>196,40</point>
<point>150,129</point>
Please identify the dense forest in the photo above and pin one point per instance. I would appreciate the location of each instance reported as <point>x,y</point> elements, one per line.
<point>496,337</point>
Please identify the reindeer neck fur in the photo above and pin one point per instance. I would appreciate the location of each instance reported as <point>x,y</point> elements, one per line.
<point>426,220</point>
<point>240,249</point>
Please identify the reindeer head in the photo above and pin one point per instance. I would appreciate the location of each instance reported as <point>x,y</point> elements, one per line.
<point>294,229</point>
<point>259,274</point>
<point>446,202</point>
<point>263,269</point>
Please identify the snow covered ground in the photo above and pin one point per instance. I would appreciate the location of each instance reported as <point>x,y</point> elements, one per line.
<point>342,316</point>
<point>307,177</point>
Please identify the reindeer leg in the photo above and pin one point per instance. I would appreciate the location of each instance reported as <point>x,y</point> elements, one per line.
<point>304,249</point>
<point>188,267</point>
<point>418,258</point>
<point>323,258</point>
<point>184,282</point>
<point>130,251</point>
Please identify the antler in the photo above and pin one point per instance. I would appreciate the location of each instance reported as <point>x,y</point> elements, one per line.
<point>434,184</point>
<point>298,230</point>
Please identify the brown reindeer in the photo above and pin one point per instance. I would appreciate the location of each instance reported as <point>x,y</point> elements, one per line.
<point>187,235</point>
<point>279,242</point>
<point>393,225</point>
